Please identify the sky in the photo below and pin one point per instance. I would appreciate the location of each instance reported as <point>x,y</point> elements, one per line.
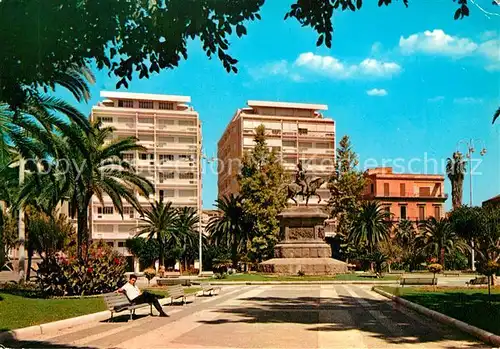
<point>406,84</point>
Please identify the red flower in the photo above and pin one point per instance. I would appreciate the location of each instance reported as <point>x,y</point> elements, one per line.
<point>90,270</point>
<point>116,261</point>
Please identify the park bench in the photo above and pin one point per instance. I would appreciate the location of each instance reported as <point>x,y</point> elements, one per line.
<point>418,281</point>
<point>206,287</point>
<point>481,280</point>
<point>177,292</point>
<point>118,302</point>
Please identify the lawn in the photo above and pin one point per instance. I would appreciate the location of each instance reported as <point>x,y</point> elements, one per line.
<point>471,305</point>
<point>265,277</point>
<point>17,311</point>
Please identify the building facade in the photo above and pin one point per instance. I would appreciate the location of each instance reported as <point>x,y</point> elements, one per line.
<point>170,131</point>
<point>413,197</point>
<point>492,202</point>
<point>296,131</point>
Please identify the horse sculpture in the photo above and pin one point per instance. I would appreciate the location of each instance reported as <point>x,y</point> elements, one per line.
<point>306,190</point>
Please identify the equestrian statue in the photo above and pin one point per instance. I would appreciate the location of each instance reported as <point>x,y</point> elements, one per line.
<point>304,186</point>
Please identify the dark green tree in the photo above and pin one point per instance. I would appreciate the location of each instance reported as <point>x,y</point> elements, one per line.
<point>371,226</point>
<point>438,238</point>
<point>231,229</point>
<point>158,223</point>
<point>147,250</point>
<point>186,227</point>
<point>262,186</point>
<point>346,185</point>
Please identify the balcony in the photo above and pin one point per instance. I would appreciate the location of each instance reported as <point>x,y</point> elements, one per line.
<point>174,145</point>
<point>408,195</point>
<point>176,129</point>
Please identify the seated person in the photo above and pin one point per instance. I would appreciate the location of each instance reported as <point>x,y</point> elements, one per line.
<point>135,295</point>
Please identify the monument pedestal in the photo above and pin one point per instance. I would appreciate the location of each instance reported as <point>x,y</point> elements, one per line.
<point>301,246</point>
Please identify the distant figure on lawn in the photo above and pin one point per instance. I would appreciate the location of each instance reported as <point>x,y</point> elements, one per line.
<point>135,295</point>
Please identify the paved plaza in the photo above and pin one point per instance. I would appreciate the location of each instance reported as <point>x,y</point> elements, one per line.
<point>277,316</point>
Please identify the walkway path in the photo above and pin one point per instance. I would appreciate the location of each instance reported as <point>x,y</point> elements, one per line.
<point>326,316</point>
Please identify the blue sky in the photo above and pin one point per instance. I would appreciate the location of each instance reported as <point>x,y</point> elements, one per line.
<point>402,83</point>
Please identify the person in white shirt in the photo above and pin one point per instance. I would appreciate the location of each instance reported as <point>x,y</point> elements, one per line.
<point>135,296</point>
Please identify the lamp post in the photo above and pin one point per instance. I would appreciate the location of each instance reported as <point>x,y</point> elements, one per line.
<point>470,146</point>
<point>201,157</point>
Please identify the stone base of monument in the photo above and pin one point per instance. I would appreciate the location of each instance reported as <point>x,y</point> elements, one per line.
<point>307,266</point>
<point>302,248</point>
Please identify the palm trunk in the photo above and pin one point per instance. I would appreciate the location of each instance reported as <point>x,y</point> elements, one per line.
<point>83,233</point>
<point>161,256</point>
<point>30,258</point>
<point>441,257</point>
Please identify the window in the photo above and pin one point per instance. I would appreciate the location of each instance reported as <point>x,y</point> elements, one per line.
<point>402,210</point>
<point>186,140</point>
<point>402,189</point>
<point>387,208</point>
<point>424,191</point>
<point>105,119</point>
<point>185,157</point>
<point>146,120</point>
<point>186,123</point>
<point>146,156</point>
<point>421,212</point>
<point>186,175</point>
<point>276,132</point>
<point>166,106</point>
<point>437,211</point>
<point>302,131</point>
<point>126,103</point>
<point>166,157</point>
<point>289,144</point>
<point>166,175</point>
<point>372,188</point>
<point>146,104</point>
<point>110,243</point>
<point>186,193</point>
<point>128,211</point>
<point>121,243</point>
<point>386,189</point>
<point>105,210</point>
<point>128,157</point>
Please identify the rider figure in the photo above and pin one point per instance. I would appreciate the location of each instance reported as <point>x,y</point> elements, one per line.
<point>300,178</point>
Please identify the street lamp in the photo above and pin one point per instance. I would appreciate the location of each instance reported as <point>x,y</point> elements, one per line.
<point>201,156</point>
<point>470,146</point>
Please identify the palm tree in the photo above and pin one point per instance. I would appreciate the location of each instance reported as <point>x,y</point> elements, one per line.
<point>455,170</point>
<point>438,238</point>
<point>231,228</point>
<point>185,227</point>
<point>371,226</point>
<point>405,232</point>
<point>158,223</point>
<point>94,166</point>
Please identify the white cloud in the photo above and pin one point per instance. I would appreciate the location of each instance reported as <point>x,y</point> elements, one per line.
<point>335,68</point>
<point>277,68</point>
<point>437,42</point>
<point>488,35</point>
<point>468,100</point>
<point>436,99</point>
<point>377,92</point>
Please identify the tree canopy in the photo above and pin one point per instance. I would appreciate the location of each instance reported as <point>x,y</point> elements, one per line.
<point>44,39</point>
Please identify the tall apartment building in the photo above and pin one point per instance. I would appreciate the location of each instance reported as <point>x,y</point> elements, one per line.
<point>413,197</point>
<point>170,130</point>
<point>296,131</point>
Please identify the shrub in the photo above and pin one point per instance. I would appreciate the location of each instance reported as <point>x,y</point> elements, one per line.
<point>220,275</point>
<point>301,273</point>
<point>149,273</point>
<point>435,268</point>
<point>103,271</point>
